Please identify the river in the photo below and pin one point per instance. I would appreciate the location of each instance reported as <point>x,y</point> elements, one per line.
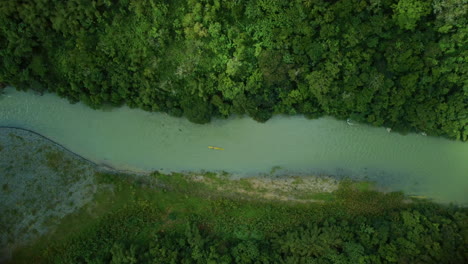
<point>136,140</point>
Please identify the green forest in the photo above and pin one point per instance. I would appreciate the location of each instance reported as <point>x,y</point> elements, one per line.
<point>182,221</point>
<point>395,63</point>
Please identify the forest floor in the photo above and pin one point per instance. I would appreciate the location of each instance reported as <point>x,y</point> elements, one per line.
<point>46,189</point>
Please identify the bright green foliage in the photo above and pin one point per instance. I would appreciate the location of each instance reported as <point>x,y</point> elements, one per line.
<point>409,12</point>
<point>394,63</point>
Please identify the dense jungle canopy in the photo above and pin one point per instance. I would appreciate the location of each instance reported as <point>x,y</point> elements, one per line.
<point>394,63</point>
<point>189,222</point>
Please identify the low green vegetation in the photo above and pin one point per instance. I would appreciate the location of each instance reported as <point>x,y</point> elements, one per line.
<point>55,160</point>
<point>395,63</point>
<point>174,219</point>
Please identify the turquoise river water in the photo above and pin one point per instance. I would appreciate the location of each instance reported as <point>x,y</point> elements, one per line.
<point>136,140</point>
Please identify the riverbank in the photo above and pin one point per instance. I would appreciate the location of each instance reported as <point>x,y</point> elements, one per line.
<point>43,182</point>
<point>61,208</point>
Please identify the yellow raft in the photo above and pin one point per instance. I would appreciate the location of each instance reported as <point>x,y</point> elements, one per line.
<point>211,147</point>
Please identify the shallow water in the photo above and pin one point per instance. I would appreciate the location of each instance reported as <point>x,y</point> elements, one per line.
<point>133,139</point>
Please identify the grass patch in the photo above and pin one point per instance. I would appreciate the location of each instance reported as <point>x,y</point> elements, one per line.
<point>16,137</point>
<point>298,180</point>
<point>361,198</point>
<point>363,185</point>
<point>245,184</point>
<point>5,187</point>
<point>55,160</point>
<point>327,197</point>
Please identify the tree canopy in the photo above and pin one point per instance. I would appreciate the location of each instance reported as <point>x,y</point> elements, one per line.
<point>188,222</point>
<point>398,63</point>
